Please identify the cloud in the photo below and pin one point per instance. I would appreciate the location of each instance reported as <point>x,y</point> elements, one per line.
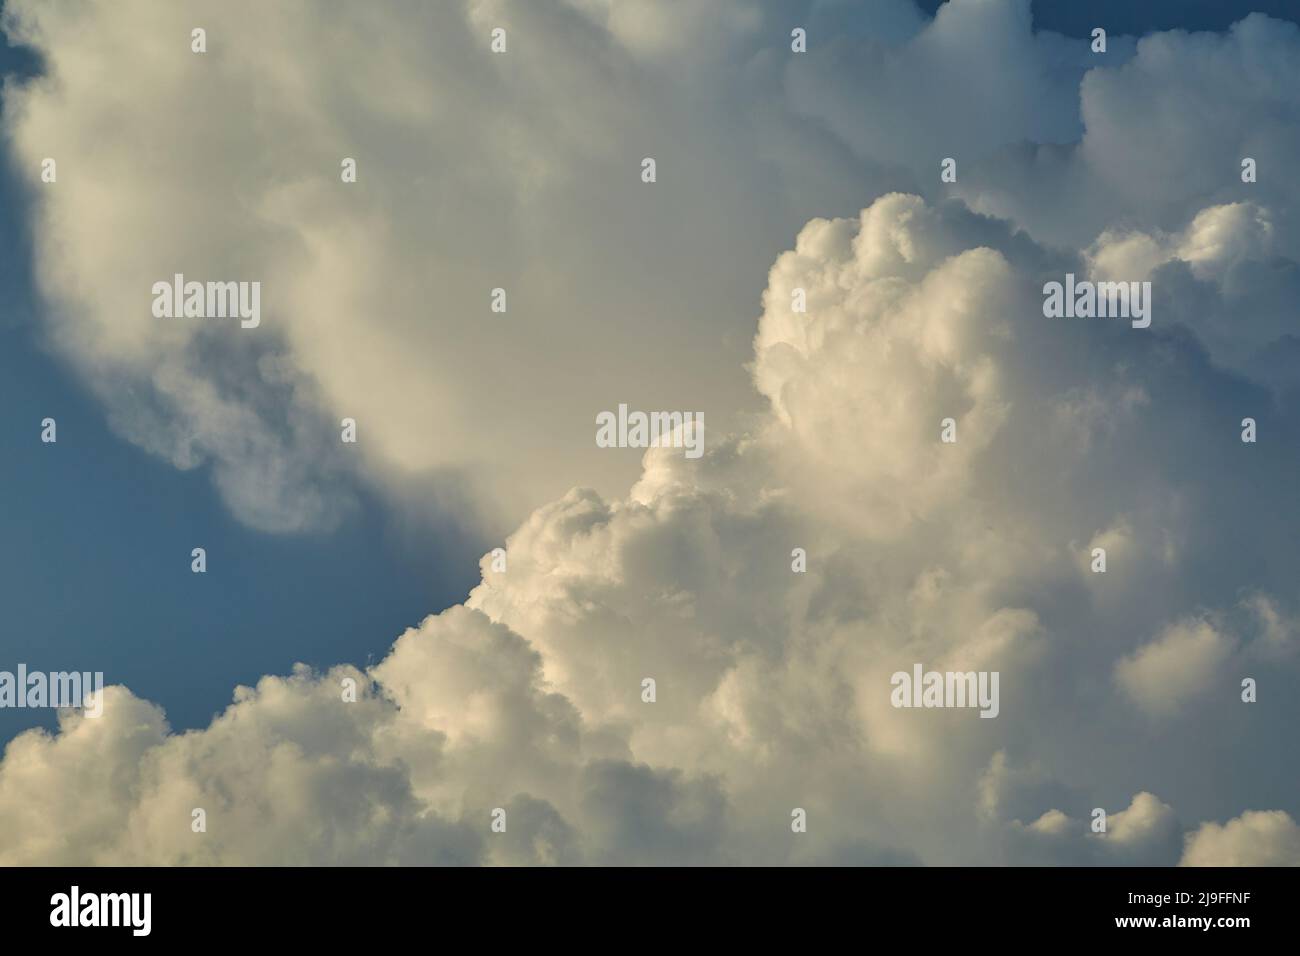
<point>281,781</point>
<point>1181,663</point>
<point>1256,838</point>
<point>1228,256</point>
<point>933,90</point>
<point>376,294</point>
<point>1144,155</point>
<point>476,171</point>
<point>772,686</point>
<point>1155,176</point>
<point>1146,833</point>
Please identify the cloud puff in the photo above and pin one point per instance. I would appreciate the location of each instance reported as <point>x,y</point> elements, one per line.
<point>1256,838</point>
<point>932,89</point>
<point>1181,663</point>
<point>1229,257</point>
<point>922,342</point>
<point>1164,130</point>
<point>772,686</point>
<point>1146,833</point>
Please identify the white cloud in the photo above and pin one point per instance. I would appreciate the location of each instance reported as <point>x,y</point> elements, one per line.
<point>973,79</point>
<point>475,171</point>
<point>1182,663</point>
<point>1164,130</point>
<point>1256,838</point>
<point>772,686</point>
<point>1148,826</point>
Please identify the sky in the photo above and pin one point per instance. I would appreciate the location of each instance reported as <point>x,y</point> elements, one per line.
<point>521,690</point>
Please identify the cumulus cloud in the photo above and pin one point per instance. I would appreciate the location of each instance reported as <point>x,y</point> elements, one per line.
<point>1230,256</point>
<point>1256,838</point>
<point>376,294</point>
<point>772,687</point>
<point>931,87</point>
<point>1144,154</point>
<point>1181,663</point>
<point>476,171</point>
<point>1145,833</point>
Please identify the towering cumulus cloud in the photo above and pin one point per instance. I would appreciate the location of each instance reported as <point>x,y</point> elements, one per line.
<point>918,472</point>
<point>772,687</point>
